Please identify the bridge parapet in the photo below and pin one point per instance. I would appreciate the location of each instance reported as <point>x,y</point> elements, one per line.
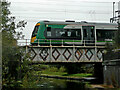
<point>65,53</point>
<point>83,52</point>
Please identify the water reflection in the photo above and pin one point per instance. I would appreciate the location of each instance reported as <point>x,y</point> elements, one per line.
<point>46,83</point>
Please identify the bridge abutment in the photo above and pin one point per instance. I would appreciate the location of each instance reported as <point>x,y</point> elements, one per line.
<point>98,72</point>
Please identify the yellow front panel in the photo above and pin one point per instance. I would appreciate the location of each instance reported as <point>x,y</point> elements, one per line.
<point>38,24</point>
<point>33,39</point>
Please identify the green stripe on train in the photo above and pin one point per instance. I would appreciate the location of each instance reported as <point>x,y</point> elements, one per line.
<point>56,26</point>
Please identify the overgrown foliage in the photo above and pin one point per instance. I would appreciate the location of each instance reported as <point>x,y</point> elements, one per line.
<point>116,42</point>
<point>112,55</point>
<point>11,53</point>
<point>117,37</point>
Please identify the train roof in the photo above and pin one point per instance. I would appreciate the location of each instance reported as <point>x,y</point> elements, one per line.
<point>98,25</point>
<point>73,22</point>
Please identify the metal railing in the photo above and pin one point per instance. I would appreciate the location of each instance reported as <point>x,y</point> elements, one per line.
<point>56,42</point>
<point>23,42</point>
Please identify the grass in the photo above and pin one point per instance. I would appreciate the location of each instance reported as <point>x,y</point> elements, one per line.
<point>64,74</point>
<point>53,73</point>
<point>79,75</point>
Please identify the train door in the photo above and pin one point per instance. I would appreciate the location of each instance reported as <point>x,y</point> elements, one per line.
<point>88,33</point>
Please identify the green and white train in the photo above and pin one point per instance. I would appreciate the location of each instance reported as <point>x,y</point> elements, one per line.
<point>72,33</point>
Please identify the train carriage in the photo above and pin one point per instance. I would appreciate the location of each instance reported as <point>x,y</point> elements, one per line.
<point>72,33</point>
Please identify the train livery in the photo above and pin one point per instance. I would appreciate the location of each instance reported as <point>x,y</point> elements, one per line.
<point>71,32</point>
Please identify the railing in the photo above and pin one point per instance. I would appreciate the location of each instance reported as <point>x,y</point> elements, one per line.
<point>23,42</point>
<point>56,42</point>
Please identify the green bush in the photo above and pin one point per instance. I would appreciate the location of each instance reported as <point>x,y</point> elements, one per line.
<point>43,67</point>
<point>40,67</point>
<point>62,69</point>
<point>53,69</point>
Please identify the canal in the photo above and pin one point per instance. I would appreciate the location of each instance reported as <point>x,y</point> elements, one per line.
<point>52,83</point>
<point>49,77</point>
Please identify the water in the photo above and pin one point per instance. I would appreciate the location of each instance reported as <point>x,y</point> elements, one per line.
<point>50,83</point>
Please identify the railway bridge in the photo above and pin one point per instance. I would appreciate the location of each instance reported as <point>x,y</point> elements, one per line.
<point>85,52</point>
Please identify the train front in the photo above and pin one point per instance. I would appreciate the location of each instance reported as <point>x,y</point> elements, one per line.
<point>34,34</point>
<point>38,34</point>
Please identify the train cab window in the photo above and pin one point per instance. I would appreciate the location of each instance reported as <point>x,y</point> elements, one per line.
<point>35,31</point>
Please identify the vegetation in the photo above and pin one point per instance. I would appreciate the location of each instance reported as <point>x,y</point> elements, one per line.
<point>116,41</point>
<point>61,71</point>
<point>11,53</point>
<point>113,53</point>
<point>117,37</point>
<point>32,78</point>
<point>17,70</point>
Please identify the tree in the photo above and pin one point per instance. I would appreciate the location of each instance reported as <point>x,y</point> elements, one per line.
<point>117,37</point>
<point>11,53</point>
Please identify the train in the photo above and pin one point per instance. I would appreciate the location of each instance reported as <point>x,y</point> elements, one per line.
<point>73,33</point>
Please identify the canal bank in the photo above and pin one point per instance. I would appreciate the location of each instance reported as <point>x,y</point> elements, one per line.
<point>89,82</point>
<point>88,79</point>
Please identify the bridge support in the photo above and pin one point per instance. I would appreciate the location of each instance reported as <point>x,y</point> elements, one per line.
<point>73,68</point>
<point>98,72</point>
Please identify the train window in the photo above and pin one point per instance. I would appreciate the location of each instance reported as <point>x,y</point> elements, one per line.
<point>35,31</point>
<point>78,33</point>
<point>92,32</point>
<point>49,34</point>
<point>48,31</point>
<point>69,34</point>
<point>60,33</point>
<point>48,28</point>
<point>102,35</point>
<point>73,33</point>
<point>85,32</point>
<point>98,34</point>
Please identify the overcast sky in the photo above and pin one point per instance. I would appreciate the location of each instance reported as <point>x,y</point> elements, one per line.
<point>33,11</point>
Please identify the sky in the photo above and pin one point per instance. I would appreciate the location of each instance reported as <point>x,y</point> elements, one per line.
<point>33,11</point>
